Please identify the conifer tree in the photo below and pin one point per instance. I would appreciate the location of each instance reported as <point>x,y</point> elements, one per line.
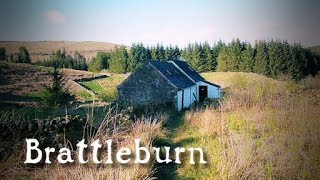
<point>236,48</point>
<point>55,95</point>
<point>137,56</point>
<point>118,60</point>
<point>247,63</point>
<point>24,56</point>
<point>197,58</point>
<point>261,58</point>
<point>216,51</point>
<point>276,58</point>
<point>208,58</point>
<point>296,66</point>
<point>223,59</point>
<point>158,52</point>
<point>186,52</point>
<point>2,53</point>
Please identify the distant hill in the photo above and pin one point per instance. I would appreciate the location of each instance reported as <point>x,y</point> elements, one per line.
<point>40,50</point>
<point>315,49</point>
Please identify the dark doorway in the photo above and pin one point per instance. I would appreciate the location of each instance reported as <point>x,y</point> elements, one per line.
<point>203,92</point>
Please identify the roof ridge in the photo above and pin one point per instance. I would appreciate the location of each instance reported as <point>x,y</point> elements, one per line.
<point>162,74</point>
<point>182,71</point>
<point>172,74</point>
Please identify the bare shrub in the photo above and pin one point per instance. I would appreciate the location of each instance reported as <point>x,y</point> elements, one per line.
<point>311,82</point>
<point>112,127</point>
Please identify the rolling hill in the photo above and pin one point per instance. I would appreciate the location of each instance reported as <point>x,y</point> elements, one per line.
<point>41,50</point>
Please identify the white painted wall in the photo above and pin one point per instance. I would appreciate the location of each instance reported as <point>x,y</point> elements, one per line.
<point>194,93</point>
<point>213,91</point>
<point>189,98</point>
<point>179,98</point>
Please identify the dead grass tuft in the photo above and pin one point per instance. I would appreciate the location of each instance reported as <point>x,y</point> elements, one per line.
<point>112,127</point>
<point>259,132</point>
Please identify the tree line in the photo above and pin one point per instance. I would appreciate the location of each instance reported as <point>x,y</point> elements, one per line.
<point>273,58</point>
<point>123,59</point>
<point>22,56</point>
<point>60,59</point>
<point>270,58</point>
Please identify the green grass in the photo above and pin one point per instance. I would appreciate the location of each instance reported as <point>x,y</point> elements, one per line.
<point>105,89</point>
<point>315,49</point>
<point>103,93</point>
<point>260,130</point>
<point>84,96</point>
<point>173,126</point>
<point>96,114</point>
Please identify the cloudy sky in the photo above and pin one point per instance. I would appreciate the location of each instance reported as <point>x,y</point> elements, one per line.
<point>175,22</point>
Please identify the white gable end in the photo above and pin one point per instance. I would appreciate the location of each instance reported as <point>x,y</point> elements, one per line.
<point>213,91</point>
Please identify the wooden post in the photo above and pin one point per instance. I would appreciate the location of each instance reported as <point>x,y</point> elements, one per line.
<point>182,100</point>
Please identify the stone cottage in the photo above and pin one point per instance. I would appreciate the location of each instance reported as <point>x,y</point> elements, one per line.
<point>162,82</point>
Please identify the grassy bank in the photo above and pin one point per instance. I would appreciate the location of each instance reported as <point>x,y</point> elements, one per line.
<point>262,129</point>
<point>105,89</point>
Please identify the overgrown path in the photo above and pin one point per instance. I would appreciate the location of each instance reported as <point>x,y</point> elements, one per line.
<point>174,125</point>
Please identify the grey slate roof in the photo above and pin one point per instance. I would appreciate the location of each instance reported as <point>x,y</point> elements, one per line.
<point>188,70</point>
<point>172,74</point>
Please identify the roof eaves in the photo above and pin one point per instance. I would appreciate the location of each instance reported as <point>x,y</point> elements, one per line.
<point>121,84</point>
<point>212,84</point>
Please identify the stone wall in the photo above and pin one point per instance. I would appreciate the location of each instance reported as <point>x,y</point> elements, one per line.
<point>146,86</point>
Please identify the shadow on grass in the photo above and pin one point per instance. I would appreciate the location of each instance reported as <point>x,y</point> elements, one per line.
<point>186,141</point>
<point>174,123</point>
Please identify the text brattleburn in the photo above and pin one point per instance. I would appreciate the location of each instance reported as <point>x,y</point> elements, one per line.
<point>124,155</point>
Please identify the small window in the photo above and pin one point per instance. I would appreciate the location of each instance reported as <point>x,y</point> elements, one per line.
<point>169,72</point>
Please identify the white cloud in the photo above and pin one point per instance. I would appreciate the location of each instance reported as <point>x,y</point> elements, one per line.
<point>55,17</point>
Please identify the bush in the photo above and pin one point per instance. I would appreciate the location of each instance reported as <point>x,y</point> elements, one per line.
<point>118,61</point>
<point>2,53</point>
<point>23,56</point>
<point>60,131</point>
<point>99,62</point>
<point>95,65</point>
<point>54,95</point>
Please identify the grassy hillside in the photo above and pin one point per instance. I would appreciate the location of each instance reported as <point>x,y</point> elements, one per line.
<point>106,88</point>
<point>40,50</point>
<point>263,128</point>
<point>315,49</point>
<point>236,79</point>
<point>21,84</point>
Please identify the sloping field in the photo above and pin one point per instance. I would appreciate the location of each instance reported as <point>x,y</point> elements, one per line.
<point>315,49</point>
<point>41,50</point>
<point>20,80</point>
<point>230,79</point>
<point>263,129</point>
<point>105,88</point>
